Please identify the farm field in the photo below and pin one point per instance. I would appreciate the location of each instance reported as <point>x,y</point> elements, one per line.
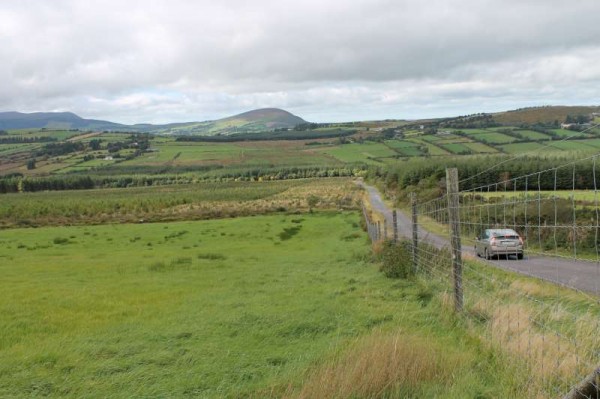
<point>406,148</point>
<point>519,148</point>
<point>492,138</point>
<point>366,152</point>
<point>457,148</point>
<point>568,133</point>
<point>431,149</point>
<point>221,308</point>
<point>532,135</point>
<point>572,145</point>
<point>174,202</point>
<point>480,148</point>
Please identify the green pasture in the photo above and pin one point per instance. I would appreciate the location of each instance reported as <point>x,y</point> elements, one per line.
<point>480,148</point>
<point>256,153</point>
<point>591,142</point>
<point>571,145</point>
<point>492,138</point>
<point>406,148</point>
<point>214,309</point>
<point>533,135</point>
<point>432,149</point>
<point>568,133</point>
<point>456,148</point>
<point>518,148</point>
<point>366,152</point>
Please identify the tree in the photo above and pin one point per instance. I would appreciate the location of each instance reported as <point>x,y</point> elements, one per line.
<point>95,144</point>
<point>31,164</point>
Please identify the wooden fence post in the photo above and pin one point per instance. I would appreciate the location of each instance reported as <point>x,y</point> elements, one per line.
<point>454,221</point>
<point>395,226</point>
<point>378,230</point>
<point>415,235</point>
<point>385,229</point>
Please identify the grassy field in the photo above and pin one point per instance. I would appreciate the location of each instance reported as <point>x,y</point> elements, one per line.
<point>432,149</point>
<point>367,152</point>
<point>519,148</point>
<point>457,148</point>
<point>263,307</point>
<point>492,138</point>
<point>406,148</point>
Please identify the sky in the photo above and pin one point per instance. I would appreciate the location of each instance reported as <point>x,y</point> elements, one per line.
<point>326,61</point>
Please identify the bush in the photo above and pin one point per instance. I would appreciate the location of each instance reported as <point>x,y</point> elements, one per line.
<point>60,240</point>
<point>396,259</point>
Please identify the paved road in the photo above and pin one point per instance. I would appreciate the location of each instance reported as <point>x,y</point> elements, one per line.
<point>581,275</point>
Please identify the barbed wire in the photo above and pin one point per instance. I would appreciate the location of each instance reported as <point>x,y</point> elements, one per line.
<point>551,331</point>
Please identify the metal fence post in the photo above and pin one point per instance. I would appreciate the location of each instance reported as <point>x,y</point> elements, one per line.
<point>415,236</point>
<point>454,221</point>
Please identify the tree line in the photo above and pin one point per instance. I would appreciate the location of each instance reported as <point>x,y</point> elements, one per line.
<point>428,176</point>
<point>14,139</point>
<point>18,183</point>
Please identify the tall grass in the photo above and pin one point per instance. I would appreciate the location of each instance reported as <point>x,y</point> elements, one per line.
<point>381,365</point>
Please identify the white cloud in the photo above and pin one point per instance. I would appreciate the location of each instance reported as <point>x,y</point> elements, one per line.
<point>161,61</point>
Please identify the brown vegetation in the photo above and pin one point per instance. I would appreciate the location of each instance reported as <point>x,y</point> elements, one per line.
<point>379,365</point>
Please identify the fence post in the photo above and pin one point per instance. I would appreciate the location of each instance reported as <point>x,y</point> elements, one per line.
<point>453,219</point>
<point>385,235</point>
<point>378,230</point>
<point>415,235</point>
<point>395,226</point>
<point>588,388</point>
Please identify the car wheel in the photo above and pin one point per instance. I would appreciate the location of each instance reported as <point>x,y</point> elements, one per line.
<point>520,256</point>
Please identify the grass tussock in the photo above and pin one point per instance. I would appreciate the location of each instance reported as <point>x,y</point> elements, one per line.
<point>380,365</point>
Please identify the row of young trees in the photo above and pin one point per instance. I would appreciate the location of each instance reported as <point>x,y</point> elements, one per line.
<point>14,139</point>
<point>15,184</point>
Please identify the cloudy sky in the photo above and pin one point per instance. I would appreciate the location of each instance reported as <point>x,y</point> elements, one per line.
<point>324,60</point>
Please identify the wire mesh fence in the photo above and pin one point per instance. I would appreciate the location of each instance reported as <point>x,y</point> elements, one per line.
<point>545,225</point>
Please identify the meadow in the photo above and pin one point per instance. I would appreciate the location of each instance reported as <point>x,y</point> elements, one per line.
<point>266,306</point>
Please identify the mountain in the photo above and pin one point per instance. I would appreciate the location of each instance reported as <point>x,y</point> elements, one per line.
<point>53,120</point>
<point>258,120</point>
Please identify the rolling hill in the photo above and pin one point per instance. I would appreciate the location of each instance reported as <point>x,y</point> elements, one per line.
<point>258,120</point>
<point>546,114</point>
<point>53,120</point>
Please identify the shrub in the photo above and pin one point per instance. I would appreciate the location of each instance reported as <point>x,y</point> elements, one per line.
<point>396,259</point>
<point>60,240</point>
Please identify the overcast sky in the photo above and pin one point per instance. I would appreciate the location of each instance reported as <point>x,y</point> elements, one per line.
<point>175,60</point>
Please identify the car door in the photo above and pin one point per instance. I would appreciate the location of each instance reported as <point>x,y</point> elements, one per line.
<point>480,243</point>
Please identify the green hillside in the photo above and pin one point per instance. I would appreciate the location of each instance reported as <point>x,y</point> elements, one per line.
<point>258,120</point>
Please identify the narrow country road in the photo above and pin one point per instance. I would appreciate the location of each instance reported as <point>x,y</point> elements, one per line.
<point>578,274</point>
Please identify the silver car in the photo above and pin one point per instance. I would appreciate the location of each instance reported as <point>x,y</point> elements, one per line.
<point>495,242</point>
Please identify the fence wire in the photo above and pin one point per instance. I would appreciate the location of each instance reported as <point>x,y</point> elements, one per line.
<point>556,214</point>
